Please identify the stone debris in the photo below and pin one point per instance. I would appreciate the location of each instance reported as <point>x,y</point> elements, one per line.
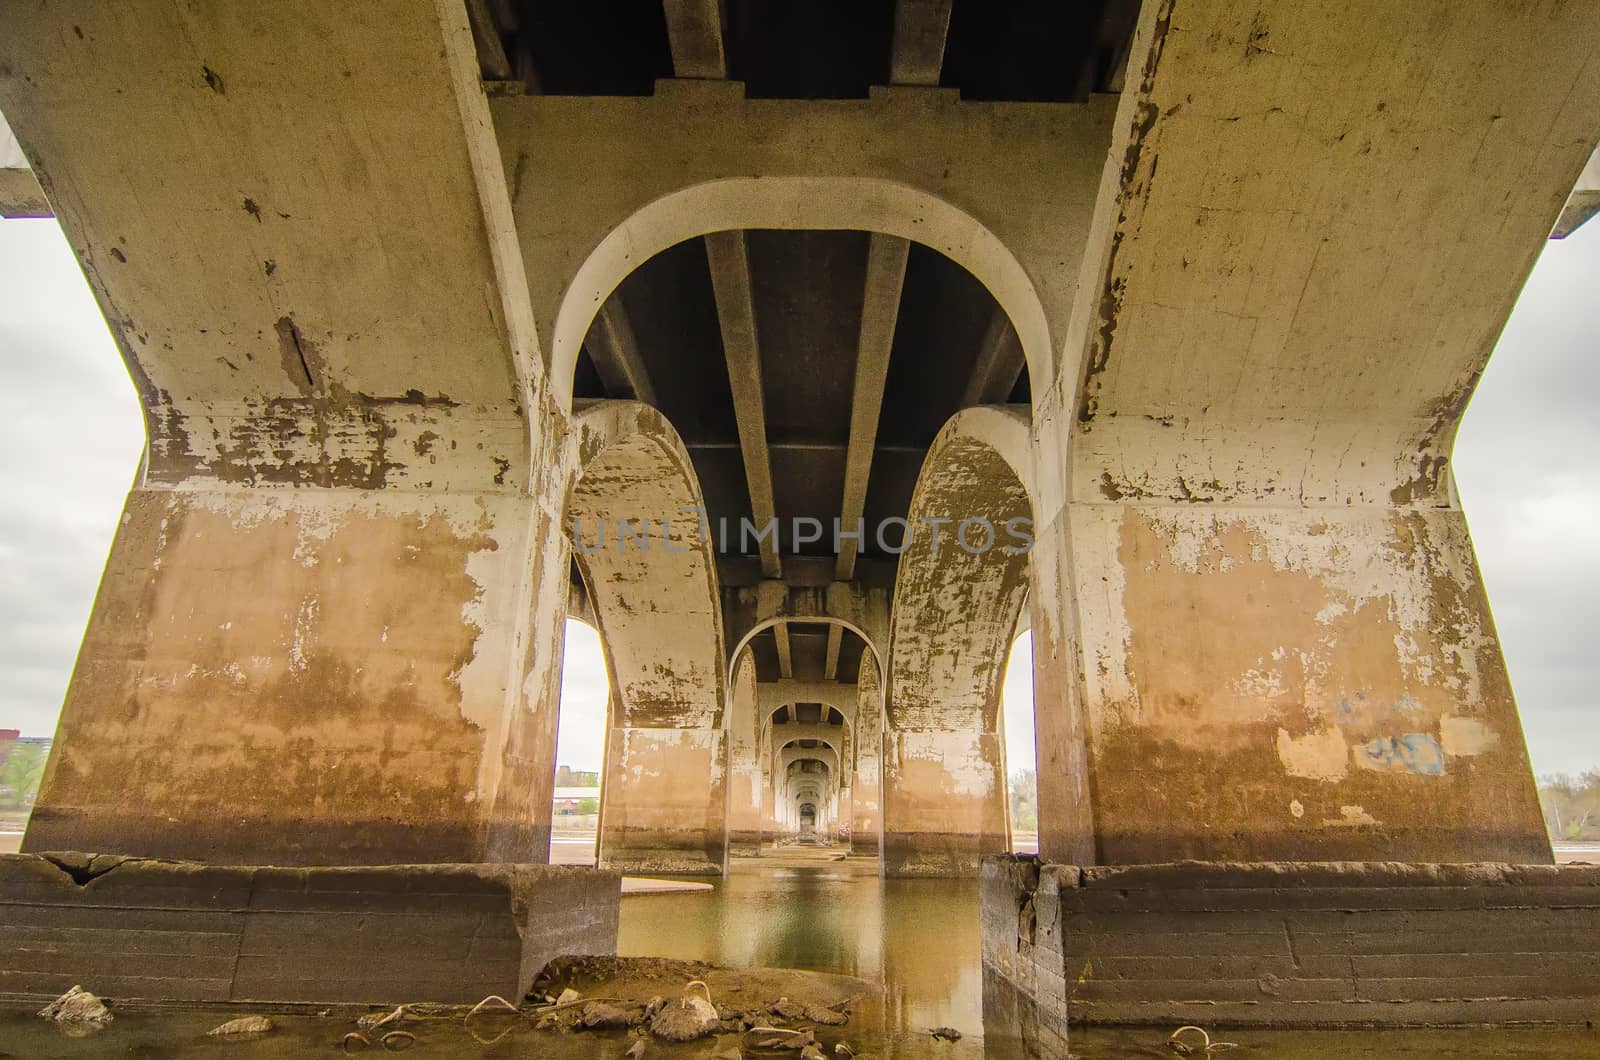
<point>947,1034</point>
<point>243,1027</point>
<point>637,1049</point>
<point>825,1016</point>
<point>685,1019</point>
<point>771,1038</point>
<point>77,1006</point>
<point>568,996</point>
<point>602,1015</point>
<point>789,1010</point>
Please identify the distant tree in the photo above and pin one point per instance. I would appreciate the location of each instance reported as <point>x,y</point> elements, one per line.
<point>567,777</point>
<point>1571,805</point>
<point>20,775</point>
<point>1024,800</point>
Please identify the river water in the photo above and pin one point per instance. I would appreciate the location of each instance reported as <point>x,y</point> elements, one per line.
<point>918,939</point>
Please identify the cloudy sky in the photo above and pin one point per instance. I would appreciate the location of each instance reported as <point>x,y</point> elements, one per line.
<point>1527,462</point>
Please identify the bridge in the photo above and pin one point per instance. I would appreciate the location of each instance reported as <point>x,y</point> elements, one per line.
<point>810,352</point>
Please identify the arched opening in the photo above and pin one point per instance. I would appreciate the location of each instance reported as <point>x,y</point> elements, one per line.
<point>827,419</point>
<point>580,747</point>
<point>822,712</point>
<point>797,205</point>
<point>1017,717</point>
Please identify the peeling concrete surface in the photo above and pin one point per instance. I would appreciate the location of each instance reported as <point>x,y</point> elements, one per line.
<point>289,677</point>
<point>1243,661</point>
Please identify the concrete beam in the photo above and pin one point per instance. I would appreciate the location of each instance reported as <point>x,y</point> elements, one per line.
<point>1000,363</point>
<point>886,274</point>
<point>736,313</point>
<point>780,633</point>
<point>830,667</point>
<point>695,29</point>
<point>920,30</point>
<point>614,349</point>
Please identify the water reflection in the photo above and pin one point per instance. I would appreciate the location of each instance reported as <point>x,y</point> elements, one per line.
<point>918,939</point>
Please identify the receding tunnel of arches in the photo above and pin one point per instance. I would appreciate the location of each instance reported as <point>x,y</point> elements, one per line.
<point>772,430</point>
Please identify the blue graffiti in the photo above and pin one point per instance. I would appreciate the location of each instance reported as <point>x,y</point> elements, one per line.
<point>1414,752</point>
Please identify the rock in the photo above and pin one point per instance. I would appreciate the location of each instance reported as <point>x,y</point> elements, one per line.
<point>568,996</point>
<point>77,1006</point>
<point>242,1027</point>
<point>812,1052</point>
<point>949,1034</point>
<point>825,1016</point>
<point>636,1050</point>
<point>600,1015</point>
<point>843,1049</point>
<point>685,1019</point>
<point>784,1040</point>
<point>789,1010</point>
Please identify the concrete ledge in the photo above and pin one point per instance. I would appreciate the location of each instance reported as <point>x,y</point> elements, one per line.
<point>1294,944</point>
<point>180,931</point>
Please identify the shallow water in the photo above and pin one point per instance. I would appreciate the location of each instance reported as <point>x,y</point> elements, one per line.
<point>917,938</point>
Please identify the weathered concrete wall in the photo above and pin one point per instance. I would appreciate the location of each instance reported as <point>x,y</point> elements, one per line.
<point>1298,684</point>
<point>1313,224</point>
<point>178,931</point>
<point>1283,944</point>
<point>944,801</point>
<point>664,808</point>
<point>295,678</point>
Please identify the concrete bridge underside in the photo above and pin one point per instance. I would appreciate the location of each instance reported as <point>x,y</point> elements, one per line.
<point>419,296</point>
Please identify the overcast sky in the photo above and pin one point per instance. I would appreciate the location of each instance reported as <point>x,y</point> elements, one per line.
<point>1527,462</point>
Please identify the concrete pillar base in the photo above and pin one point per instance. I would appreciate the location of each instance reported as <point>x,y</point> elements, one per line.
<point>1293,943</point>
<point>449,934</point>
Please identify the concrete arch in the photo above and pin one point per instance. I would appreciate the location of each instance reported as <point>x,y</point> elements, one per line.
<point>628,463</point>
<point>955,608</point>
<point>655,599</point>
<point>799,202</point>
<point>832,740</point>
<point>815,620</point>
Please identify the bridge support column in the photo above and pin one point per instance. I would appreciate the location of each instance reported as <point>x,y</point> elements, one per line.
<point>1299,684</point>
<point>296,678</point>
<point>664,804</point>
<point>745,795</point>
<point>944,802</point>
<point>866,790</point>
<point>328,631</point>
